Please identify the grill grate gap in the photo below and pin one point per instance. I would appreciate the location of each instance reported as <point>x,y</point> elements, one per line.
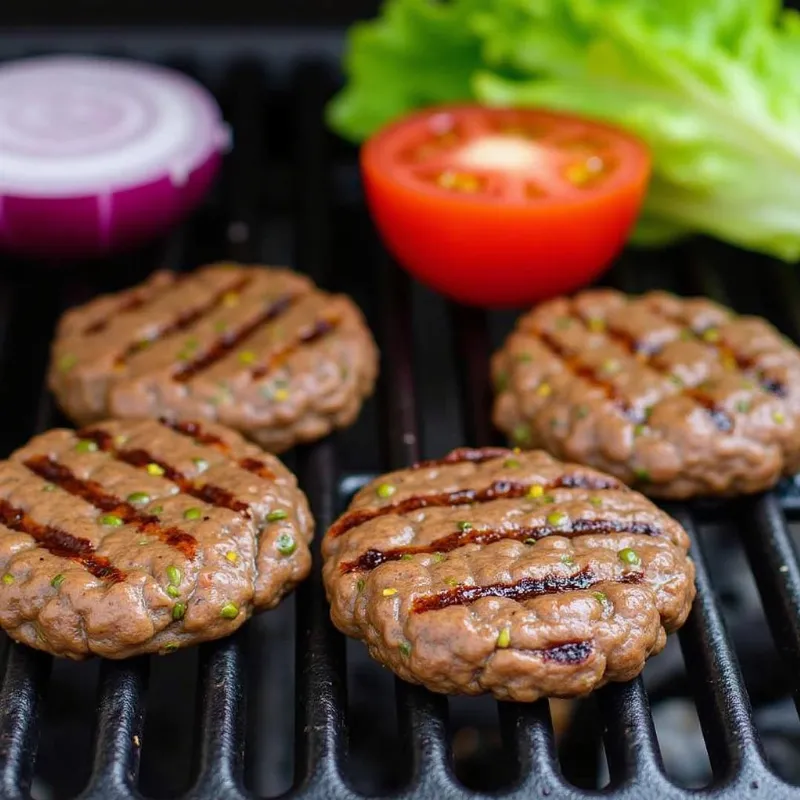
<point>680,738</point>
<point>67,726</point>
<point>168,758</point>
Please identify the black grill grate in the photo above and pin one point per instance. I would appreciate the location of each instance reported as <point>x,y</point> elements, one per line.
<point>289,194</point>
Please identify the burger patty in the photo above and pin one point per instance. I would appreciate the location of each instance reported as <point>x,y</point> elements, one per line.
<point>132,537</point>
<point>508,572</point>
<point>676,396</point>
<point>260,350</point>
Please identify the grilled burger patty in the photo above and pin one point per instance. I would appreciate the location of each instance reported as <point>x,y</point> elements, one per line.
<point>133,537</point>
<point>678,397</point>
<point>260,350</point>
<point>507,572</point>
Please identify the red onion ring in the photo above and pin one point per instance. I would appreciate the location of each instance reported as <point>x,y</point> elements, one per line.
<point>97,155</point>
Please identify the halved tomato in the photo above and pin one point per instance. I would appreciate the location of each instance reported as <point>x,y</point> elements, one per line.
<point>503,207</point>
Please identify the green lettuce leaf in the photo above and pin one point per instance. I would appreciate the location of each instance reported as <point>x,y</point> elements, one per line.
<point>710,85</point>
<point>418,54</point>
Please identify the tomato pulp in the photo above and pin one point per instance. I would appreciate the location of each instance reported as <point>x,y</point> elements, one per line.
<point>503,207</point>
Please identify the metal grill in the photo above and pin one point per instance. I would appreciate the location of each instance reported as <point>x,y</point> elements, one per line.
<point>289,193</point>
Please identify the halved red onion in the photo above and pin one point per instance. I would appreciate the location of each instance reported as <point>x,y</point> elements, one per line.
<point>97,155</point>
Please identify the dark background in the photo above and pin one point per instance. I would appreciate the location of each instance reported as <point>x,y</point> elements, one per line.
<point>81,13</point>
<point>183,12</point>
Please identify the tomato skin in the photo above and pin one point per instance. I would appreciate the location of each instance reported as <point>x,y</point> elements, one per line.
<point>484,252</point>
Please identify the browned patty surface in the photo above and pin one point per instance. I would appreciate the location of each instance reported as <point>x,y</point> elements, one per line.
<point>138,536</point>
<point>260,350</point>
<point>507,572</point>
<point>677,396</point>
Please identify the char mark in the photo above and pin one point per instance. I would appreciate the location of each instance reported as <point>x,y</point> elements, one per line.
<point>568,654</point>
<point>308,335</point>
<point>721,419</point>
<point>93,493</point>
<point>207,492</point>
<point>774,387</point>
<point>257,468</point>
<point>60,543</point>
<point>471,455</point>
<point>184,320</point>
<point>524,589</point>
<point>585,373</point>
<point>483,536</point>
<point>499,490</point>
<point>232,339</point>
<point>133,303</point>
<point>196,431</point>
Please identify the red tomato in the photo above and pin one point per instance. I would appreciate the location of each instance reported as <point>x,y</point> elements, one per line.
<point>503,207</point>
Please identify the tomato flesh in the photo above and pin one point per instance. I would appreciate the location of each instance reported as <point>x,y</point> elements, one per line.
<point>503,207</point>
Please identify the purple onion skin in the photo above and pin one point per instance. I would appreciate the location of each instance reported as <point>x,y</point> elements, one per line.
<point>81,227</point>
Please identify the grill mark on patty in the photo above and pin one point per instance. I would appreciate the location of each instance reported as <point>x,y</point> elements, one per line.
<point>232,339</point>
<point>60,543</point>
<point>646,353</point>
<point>498,490</point>
<point>133,303</point>
<point>184,320</point>
<point>524,589</point>
<point>310,334</point>
<point>588,374</point>
<point>470,455</point>
<point>208,492</point>
<point>194,430</point>
<point>569,653</point>
<point>94,493</point>
<point>719,416</point>
<point>580,527</point>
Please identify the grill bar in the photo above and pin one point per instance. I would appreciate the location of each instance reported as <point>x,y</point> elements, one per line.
<point>421,715</point>
<point>221,741</point>
<point>321,687</point>
<point>472,354</point>
<point>400,417</point>
<point>222,685</point>
<point>528,733</point>
<point>630,738</point>
<point>119,730</point>
<point>773,559</point>
<point>724,709</point>
<point>247,92</point>
<point>321,723</point>
<point>26,675</point>
<point>312,191</point>
<point>422,718</point>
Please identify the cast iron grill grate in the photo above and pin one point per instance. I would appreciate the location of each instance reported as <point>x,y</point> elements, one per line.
<point>289,193</point>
